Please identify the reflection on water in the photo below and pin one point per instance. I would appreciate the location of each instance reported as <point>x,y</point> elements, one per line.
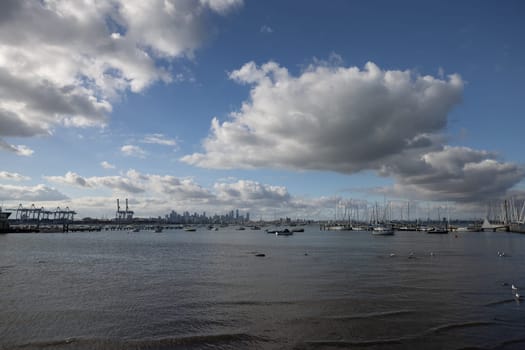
<point>312,290</point>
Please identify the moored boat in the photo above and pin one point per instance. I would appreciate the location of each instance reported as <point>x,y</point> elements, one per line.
<point>284,232</point>
<point>382,231</point>
<point>438,230</point>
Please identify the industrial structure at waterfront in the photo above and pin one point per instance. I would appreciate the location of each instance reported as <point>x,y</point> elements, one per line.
<point>32,219</point>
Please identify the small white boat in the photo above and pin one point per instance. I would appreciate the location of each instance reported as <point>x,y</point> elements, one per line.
<point>437,230</point>
<point>382,231</point>
<point>189,229</point>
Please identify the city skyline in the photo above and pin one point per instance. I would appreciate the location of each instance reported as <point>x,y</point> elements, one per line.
<point>298,108</point>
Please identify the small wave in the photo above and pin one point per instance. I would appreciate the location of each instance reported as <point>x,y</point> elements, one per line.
<point>500,302</point>
<point>505,343</point>
<point>235,339</point>
<point>356,343</point>
<point>371,315</point>
<point>5,267</point>
<point>254,303</point>
<point>47,343</point>
<point>226,338</point>
<point>450,326</point>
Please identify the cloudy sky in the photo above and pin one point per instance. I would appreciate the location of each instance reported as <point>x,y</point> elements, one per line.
<point>273,107</point>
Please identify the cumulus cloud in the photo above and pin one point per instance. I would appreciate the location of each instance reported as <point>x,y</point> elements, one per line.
<point>329,118</point>
<point>20,150</point>
<point>70,178</point>
<point>133,151</point>
<point>347,119</point>
<point>5,175</point>
<point>167,191</point>
<point>63,62</point>
<point>154,194</point>
<point>107,165</point>
<point>159,139</point>
<point>458,174</point>
<point>251,192</point>
<point>134,182</point>
<point>117,183</point>
<point>30,193</point>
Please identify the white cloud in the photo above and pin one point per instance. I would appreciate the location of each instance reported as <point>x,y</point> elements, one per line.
<point>5,175</point>
<point>159,139</point>
<point>63,62</point>
<point>70,178</point>
<point>153,193</point>
<point>249,193</point>
<point>348,120</point>
<point>266,29</point>
<point>116,183</point>
<point>134,182</point>
<point>20,150</point>
<point>329,118</point>
<point>30,193</point>
<point>133,151</point>
<point>107,165</point>
<point>222,6</point>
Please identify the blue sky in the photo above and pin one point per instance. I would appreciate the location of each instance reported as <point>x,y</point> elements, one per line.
<point>315,104</point>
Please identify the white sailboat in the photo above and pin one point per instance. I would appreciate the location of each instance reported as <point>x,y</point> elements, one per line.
<point>379,228</point>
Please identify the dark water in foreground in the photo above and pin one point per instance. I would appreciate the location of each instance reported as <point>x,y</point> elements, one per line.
<point>207,290</point>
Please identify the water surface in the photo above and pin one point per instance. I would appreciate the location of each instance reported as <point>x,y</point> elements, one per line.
<point>208,290</point>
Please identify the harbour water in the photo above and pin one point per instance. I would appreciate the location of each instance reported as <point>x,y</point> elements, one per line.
<point>209,290</point>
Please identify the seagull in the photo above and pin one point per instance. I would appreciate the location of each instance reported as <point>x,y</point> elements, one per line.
<point>514,288</point>
<point>392,255</point>
<point>517,296</point>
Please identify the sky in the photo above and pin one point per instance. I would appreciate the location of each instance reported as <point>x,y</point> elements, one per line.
<point>305,109</point>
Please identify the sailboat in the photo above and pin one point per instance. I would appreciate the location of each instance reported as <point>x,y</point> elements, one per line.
<point>379,229</point>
